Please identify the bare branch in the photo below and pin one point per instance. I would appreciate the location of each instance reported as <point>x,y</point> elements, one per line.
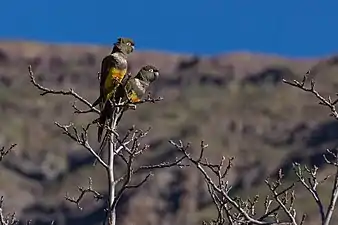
<point>221,191</point>
<point>83,191</point>
<point>148,99</point>
<point>334,195</point>
<point>127,148</point>
<point>303,219</point>
<point>145,179</point>
<point>311,186</point>
<point>4,151</point>
<point>2,217</point>
<point>312,182</point>
<point>326,102</point>
<point>70,92</point>
<point>177,162</point>
<point>82,139</point>
<point>8,219</point>
<point>282,202</point>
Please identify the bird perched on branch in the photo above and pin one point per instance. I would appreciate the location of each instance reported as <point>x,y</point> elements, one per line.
<point>132,91</point>
<point>135,88</point>
<point>113,70</point>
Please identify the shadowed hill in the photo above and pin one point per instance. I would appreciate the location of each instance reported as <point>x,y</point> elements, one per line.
<point>235,102</point>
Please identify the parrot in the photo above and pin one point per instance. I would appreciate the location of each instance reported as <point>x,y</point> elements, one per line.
<point>113,69</point>
<point>132,91</point>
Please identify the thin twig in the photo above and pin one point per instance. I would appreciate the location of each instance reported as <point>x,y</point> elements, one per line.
<point>282,203</point>
<point>83,191</point>
<point>224,193</point>
<point>81,139</point>
<point>311,187</point>
<point>329,103</point>
<point>70,92</point>
<point>4,151</point>
<point>8,219</point>
<point>333,200</point>
<point>326,102</point>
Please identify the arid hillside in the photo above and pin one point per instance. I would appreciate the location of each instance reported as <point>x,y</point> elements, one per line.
<point>236,102</point>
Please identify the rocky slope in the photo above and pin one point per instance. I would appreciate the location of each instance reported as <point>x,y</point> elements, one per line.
<point>235,102</point>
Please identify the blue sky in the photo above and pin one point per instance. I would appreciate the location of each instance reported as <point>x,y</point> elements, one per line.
<point>287,27</point>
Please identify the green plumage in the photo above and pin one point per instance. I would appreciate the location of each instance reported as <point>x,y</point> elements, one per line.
<point>113,70</point>
<point>136,87</point>
<point>133,90</point>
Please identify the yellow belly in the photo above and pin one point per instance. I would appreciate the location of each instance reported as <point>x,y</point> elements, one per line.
<point>117,74</point>
<point>133,97</point>
<point>112,81</point>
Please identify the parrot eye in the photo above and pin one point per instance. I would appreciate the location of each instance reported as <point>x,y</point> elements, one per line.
<point>129,44</point>
<point>151,70</point>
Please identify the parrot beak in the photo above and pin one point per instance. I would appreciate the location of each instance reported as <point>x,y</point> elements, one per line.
<point>157,74</point>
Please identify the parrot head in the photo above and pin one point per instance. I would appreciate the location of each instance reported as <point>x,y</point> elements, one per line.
<point>124,45</point>
<point>148,73</point>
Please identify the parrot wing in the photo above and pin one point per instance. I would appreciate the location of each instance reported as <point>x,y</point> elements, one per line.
<point>105,66</point>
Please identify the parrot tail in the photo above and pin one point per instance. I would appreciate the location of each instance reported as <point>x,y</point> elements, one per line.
<point>102,122</point>
<point>97,101</point>
<point>104,116</point>
<point>102,146</point>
